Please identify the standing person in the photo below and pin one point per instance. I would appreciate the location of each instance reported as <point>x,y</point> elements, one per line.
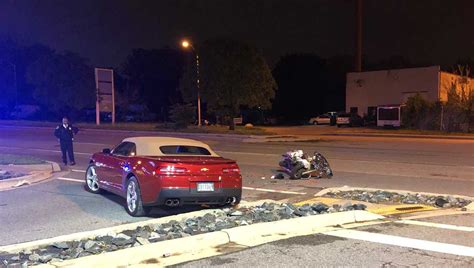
<point>65,134</point>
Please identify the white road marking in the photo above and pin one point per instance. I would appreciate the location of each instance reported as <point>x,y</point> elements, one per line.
<point>78,170</point>
<point>271,190</point>
<point>404,242</point>
<point>92,143</point>
<point>246,153</point>
<point>438,225</point>
<point>69,179</point>
<point>246,188</point>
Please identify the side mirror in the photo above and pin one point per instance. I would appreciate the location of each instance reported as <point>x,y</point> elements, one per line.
<point>106,151</point>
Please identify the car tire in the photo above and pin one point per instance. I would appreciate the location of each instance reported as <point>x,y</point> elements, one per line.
<point>338,125</point>
<point>315,123</point>
<point>92,181</point>
<point>133,199</point>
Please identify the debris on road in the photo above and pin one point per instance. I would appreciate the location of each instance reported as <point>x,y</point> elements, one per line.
<point>214,221</point>
<point>299,165</point>
<point>404,198</point>
<point>278,176</point>
<point>21,183</point>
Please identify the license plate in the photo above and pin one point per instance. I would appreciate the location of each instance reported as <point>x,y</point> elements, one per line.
<point>205,187</point>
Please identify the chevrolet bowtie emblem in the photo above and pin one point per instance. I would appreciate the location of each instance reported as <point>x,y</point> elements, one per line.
<point>204,169</point>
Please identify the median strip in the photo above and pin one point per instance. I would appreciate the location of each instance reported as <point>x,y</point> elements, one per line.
<point>246,226</point>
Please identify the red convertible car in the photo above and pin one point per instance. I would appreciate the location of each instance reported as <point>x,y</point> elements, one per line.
<point>162,171</point>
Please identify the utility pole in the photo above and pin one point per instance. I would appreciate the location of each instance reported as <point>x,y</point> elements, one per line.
<point>358,37</point>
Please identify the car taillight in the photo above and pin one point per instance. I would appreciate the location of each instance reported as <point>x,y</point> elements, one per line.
<point>171,170</point>
<point>231,170</point>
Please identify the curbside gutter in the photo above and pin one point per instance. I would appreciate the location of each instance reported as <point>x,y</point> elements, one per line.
<point>185,249</point>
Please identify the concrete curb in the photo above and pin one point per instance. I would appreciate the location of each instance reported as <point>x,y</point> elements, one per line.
<point>103,231</point>
<point>200,246</point>
<point>35,177</point>
<point>37,173</point>
<point>119,228</point>
<point>54,166</point>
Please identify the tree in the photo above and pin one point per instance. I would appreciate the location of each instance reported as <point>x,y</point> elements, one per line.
<point>62,83</point>
<point>183,115</point>
<point>418,113</point>
<point>152,78</point>
<point>233,75</point>
<point>302,86</point>
<point>460,104</point>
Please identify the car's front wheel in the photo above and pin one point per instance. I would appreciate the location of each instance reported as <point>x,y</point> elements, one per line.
<point>92,181</point>
<point>134,203</point>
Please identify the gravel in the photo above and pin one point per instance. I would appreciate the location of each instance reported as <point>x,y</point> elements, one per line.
<point>217,220</point>
<point>393,197</point>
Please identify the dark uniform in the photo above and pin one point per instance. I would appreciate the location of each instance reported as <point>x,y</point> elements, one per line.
<point>65,133</point>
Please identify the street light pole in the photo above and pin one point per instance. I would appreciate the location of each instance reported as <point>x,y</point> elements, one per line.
<point>198,88</point>
<point>186,44</point>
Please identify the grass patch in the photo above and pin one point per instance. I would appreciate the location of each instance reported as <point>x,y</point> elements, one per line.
<point>7,159</point>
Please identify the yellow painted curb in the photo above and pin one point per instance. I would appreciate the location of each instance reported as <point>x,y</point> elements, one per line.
<point>400,209</point>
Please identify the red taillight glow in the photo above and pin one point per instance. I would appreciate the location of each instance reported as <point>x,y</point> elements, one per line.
<point>231,170</point>
<point>171,170</point>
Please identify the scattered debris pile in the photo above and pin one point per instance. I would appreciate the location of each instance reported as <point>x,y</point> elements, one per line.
<point>299,165</point>
<point>217,220</point>
<point>404,198</point>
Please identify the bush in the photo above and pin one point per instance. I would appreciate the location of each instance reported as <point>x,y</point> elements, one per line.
<point>183,115</point>
<point>420,113</point>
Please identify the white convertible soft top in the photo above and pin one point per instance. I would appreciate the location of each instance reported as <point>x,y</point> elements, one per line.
<point>150,146</point>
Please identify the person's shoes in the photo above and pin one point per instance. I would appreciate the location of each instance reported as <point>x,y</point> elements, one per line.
<point>72,163</point>
<point>65,163</point>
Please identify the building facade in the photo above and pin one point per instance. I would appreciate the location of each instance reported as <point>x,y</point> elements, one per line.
<point>365,91</point>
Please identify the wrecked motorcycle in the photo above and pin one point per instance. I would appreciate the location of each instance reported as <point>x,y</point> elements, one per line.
<point>299,165</point>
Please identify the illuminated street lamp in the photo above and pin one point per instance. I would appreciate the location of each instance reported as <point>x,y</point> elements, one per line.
<point>186,44</point>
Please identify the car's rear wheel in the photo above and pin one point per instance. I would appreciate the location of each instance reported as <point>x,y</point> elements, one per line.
<point>134,204</point>
<point>315,122</point>
<point>92,181</point>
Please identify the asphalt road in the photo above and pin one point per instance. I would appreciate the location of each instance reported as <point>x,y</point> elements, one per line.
<point>61,206</point>
<point>390,245</point>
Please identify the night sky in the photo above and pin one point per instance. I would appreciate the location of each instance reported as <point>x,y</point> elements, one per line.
<point>105,31</point>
